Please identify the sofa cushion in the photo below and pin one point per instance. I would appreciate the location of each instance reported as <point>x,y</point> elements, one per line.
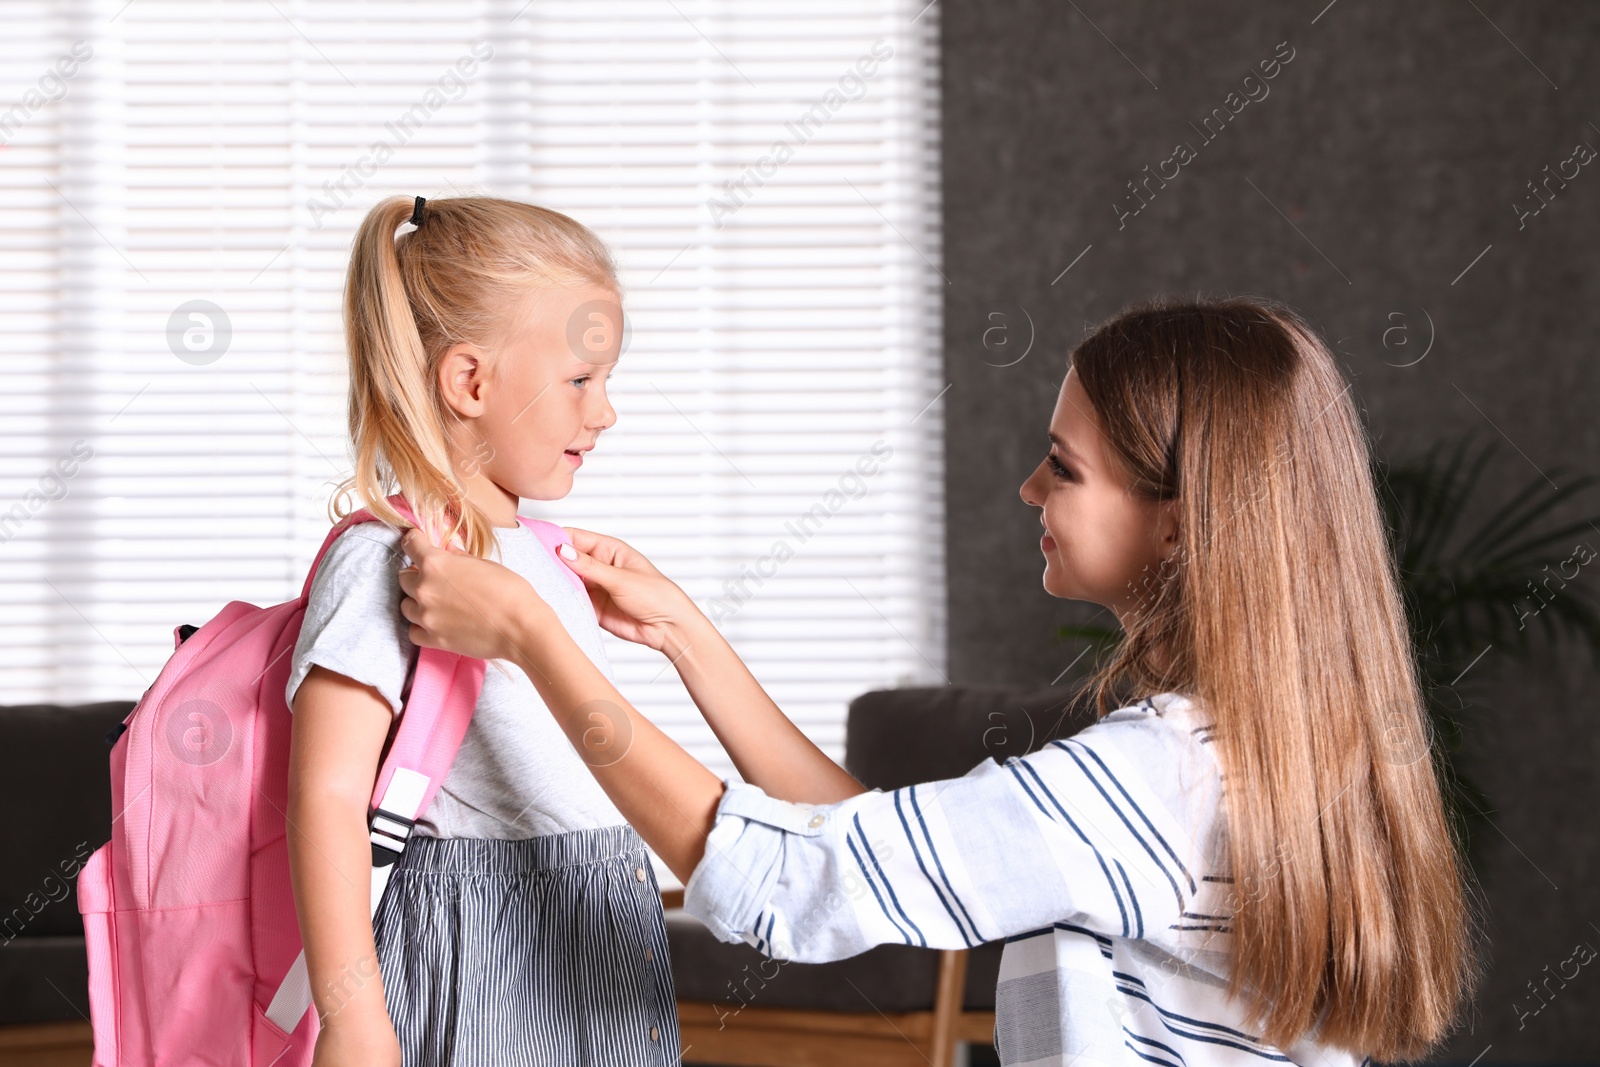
<point>55,773</point>
<point>889,978</point>
<point>43,980</point>
<point>899,737</point>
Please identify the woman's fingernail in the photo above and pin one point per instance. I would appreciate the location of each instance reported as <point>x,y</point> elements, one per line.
<point>568,553</point>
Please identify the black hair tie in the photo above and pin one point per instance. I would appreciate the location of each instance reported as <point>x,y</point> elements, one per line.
<point>416,215</point>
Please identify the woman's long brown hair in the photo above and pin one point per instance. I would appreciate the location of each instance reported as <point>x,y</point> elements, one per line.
<point>462,276</point>
<point>1281,612</point>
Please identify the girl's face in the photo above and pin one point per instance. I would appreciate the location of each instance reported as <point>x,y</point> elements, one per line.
<point>1101,541</point>
<point>532,409</point>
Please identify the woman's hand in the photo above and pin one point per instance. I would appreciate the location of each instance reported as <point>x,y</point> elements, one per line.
<point>638,603</point>
<point>632,599</point>
<point>467,605</point>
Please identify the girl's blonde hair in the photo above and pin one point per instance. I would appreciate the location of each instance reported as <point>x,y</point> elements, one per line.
<point>1282,613</point>
<point>461,276</point>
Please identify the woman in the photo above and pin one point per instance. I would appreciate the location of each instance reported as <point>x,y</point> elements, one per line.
<point>1247,861</point>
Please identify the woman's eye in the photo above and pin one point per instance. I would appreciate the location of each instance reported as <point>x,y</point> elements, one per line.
<point>1057,468</point>
<point>581,382</point>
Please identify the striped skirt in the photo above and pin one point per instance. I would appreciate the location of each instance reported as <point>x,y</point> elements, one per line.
<point>546,952</point>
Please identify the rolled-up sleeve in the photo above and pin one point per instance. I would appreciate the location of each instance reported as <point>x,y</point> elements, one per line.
<point>1108,830</point>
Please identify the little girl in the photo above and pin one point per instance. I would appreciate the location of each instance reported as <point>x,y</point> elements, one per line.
<point>522,923</point>
<point>1246,862</point>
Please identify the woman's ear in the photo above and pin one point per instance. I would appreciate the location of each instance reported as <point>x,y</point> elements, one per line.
<point>464,380</point>
<point>1167,529</point>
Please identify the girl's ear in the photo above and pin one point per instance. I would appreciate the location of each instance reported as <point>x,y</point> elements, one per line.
<point>463,380</point>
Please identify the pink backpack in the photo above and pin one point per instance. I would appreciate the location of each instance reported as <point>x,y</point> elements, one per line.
<point>194,948</point>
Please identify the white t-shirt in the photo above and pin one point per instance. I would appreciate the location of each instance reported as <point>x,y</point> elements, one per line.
<point>516,775</point>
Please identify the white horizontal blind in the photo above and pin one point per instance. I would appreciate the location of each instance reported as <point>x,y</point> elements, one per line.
<point>785,327</point>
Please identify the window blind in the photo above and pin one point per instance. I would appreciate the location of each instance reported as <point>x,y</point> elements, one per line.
<point>182,181</point>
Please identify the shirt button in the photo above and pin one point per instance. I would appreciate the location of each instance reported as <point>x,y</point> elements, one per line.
<point>655,1035</point>
<point>639,874</point>
<point>817,820</point>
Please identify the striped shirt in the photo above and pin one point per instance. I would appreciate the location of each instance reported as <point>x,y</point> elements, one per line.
<point>1099,860</point>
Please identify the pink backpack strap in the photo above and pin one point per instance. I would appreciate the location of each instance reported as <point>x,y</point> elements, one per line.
<point>551,536</point>
<point>339,527</point>
<point>444,692</point>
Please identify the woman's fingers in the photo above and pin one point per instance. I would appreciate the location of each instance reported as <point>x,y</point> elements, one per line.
<point>460,603</point>
<point>419,549</point>
<point>611,550</point>
<point>592,569</point>
<point>594,544</point>
<point>463,604</point>
<point>417,546</point>
<point>592,555</point>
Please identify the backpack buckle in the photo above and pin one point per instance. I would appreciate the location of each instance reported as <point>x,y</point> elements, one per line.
<point>388,835</point>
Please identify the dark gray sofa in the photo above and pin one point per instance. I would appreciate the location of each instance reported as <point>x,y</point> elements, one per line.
<point>55,788</point>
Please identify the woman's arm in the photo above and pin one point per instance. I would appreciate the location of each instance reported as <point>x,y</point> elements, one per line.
<point>662,790</point>
<point>339,729</point>
<point>637,602</point>
<point>1074,834</point>
<point>477,608</point>
<point>766,746</point>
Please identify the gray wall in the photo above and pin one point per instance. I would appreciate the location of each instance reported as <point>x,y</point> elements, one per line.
<point>1385,158</point>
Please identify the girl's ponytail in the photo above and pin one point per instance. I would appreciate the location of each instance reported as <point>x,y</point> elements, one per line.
<point>407,300</point>
<point>395,418</point>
